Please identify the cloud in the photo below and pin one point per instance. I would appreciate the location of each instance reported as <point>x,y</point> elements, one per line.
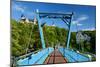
<point>19,8</point>
<point>76,23</point>
<point>89,29</point>
<point>22,9</point>
<point>80,19</point>
<point>79,24</point>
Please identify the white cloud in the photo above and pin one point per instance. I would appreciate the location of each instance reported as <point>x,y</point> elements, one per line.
<point>22,9</point>
<point>80,19</point>
<point>89,29</point>
<point>79,24</point>
<point>19,8</point>
<point>74,22</point>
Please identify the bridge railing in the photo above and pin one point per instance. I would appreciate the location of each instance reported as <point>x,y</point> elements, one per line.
<point>73,56</point>
<point>37,58</point>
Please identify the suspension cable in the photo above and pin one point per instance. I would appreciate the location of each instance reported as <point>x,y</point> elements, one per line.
<point>30,38</point>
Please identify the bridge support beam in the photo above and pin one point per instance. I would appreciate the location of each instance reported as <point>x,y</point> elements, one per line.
<point>40,30</point>
<point>69,32</point>
<point>65,17</point>
<point>69,35</point>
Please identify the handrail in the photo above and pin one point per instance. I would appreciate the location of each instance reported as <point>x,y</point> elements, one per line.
<point>37,58</point>
<point>20,57</point>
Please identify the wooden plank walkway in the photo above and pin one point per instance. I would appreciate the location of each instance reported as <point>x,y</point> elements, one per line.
<point>55,57</point>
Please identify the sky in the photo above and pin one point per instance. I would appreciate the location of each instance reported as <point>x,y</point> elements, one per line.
<point>84,17</point>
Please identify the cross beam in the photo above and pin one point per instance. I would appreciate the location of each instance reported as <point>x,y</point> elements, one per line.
<point>65,17</point>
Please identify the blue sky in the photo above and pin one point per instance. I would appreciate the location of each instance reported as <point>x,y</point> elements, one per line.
<point>83,19</point>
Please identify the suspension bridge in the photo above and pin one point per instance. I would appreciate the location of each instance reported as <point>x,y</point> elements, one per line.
<point>52,55</point>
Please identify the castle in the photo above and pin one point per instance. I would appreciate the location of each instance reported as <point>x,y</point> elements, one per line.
<point>26,20</point>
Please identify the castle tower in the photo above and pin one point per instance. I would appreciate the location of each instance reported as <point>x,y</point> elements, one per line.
<point>35,21</point>
<point>23,18</point>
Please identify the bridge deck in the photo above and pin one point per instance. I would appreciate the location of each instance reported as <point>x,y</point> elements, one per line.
<point>55,57</point>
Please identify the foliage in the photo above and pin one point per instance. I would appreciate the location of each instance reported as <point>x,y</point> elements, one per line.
<point>88,46</point>
<point>25,38</point>
<point>21,39</point>
<point>54,35</point>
